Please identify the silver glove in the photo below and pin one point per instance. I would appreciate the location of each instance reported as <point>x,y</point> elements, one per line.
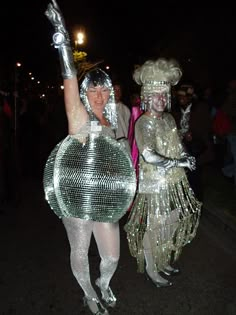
<point>158,160</point>
<point>167,163</point>
<point>189,162</point>
<point>61,40</point>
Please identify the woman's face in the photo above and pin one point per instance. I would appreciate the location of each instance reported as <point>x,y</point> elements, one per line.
<point>98,97</point>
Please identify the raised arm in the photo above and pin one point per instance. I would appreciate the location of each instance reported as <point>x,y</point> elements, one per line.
<point>76,113</point>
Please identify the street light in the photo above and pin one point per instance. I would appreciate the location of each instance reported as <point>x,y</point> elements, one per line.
<point>80,39</point>
<point>80,56</point>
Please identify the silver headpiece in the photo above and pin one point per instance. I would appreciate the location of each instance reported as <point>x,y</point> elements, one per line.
<point>99,77</point>
<point>157,76</point>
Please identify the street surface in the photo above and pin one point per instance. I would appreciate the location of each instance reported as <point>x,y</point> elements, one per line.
<point>36,278</point>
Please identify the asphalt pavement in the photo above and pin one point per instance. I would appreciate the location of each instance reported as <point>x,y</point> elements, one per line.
<point>36,278</point>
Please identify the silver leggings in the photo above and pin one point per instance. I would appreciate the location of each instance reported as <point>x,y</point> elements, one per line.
<point>107,237</point>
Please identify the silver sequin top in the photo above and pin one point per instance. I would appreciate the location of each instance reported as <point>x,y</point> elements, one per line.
<point>161,136</point>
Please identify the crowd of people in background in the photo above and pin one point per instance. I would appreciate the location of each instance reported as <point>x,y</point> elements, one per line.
<point>39,124</point>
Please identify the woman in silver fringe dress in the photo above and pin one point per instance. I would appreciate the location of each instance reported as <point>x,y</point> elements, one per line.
<point>90,113</point>
<point>165,213</point>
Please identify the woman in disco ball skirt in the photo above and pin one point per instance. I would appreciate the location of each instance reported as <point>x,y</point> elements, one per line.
<point>165,214</point>
<point>89,180</point>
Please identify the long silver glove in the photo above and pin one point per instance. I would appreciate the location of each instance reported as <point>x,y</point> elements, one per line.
<point>158,160</point>
<point>189,162</point>
<point>61,40</point>
<point>167,163</point>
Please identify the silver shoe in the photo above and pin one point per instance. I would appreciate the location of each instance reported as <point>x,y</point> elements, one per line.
<point>157,283</point>
<point>95,306</point>
<point>173,272</point>
<point>107,295</point>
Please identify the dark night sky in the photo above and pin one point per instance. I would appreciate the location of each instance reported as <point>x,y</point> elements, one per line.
<point>201,38</point>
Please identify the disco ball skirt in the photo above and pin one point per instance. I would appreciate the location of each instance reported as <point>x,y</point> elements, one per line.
<point>92,181</point>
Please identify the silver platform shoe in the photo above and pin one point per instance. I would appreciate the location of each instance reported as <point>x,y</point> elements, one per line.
<point>107,295</point>
<point>95,306</point>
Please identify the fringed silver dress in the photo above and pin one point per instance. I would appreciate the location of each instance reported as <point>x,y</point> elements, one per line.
<point>165,207</point>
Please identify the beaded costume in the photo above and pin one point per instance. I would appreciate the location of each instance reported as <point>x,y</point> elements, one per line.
<point>165,206</point>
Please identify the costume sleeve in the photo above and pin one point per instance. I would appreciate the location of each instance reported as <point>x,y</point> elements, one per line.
<point>144,134</point>
<point>145,138</point>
